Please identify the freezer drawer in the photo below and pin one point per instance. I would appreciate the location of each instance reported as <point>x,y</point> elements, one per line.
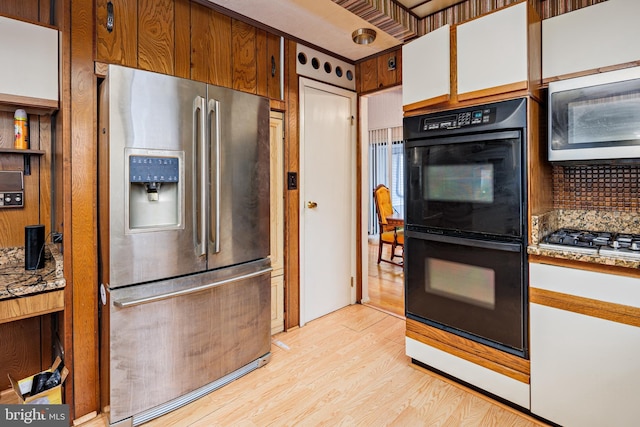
<point>169,338</point>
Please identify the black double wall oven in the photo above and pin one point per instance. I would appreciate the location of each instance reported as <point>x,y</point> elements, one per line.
<point>465,223</point>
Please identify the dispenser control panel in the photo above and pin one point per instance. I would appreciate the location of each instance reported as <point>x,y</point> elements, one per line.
<point>153,169</point>
<point>11,189</point>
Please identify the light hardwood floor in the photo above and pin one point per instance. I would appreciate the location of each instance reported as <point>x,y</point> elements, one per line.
<point>386,283</point>
<point>347,368</point>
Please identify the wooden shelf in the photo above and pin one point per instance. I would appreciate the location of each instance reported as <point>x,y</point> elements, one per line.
<point>39,106</point>
<point>26,154</point>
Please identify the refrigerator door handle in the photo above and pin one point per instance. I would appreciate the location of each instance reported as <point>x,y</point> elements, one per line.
<point>200,161</point>
<point>213,111</point>
<point>153,298</point>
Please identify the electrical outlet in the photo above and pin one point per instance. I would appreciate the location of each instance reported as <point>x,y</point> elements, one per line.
<point>56,237</point>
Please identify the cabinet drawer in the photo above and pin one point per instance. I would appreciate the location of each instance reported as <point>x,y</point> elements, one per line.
<point>586,284</point>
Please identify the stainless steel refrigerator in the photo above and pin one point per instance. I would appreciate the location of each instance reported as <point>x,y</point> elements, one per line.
<point>183,178</point>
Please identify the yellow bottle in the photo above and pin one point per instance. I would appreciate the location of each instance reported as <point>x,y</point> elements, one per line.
<point>21,127</point>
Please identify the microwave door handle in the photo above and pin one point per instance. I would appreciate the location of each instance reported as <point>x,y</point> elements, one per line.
<point>200,188</point>
<point>213,111</point>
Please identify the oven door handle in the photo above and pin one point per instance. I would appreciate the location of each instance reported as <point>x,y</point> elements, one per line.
<point>476,243</point>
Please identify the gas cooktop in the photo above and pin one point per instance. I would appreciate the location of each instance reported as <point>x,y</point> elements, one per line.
<point>594,242</point>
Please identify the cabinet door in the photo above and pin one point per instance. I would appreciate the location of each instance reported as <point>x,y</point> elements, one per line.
<point>30,68</point>
<point>368,76</point>
<point>585,341</point>
<point>118,46</point>
<point>426,69</point>
<point>584,370</point>
<point>388,69</point>
<point>604,32</point>
<point>492,52</point>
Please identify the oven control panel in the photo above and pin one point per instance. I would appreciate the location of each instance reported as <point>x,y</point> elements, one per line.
<point>465,118</point>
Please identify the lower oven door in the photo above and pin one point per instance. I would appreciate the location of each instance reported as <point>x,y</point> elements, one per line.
<point>473,288</point>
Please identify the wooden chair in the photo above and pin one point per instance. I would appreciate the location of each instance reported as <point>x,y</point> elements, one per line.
<point>389,235</point>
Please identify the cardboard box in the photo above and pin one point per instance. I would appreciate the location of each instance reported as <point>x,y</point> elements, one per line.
<point>51,396</point>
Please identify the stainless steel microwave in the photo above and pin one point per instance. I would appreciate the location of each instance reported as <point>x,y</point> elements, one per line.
<point>595,117</point>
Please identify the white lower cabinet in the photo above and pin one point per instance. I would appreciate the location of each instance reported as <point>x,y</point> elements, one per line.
<point>585,370</point>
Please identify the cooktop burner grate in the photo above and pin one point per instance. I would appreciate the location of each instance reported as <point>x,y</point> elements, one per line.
<point>593,242</point>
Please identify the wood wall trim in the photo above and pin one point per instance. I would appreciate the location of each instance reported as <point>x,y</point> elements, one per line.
<point>62,202</point>
<point>487,357</point>
<point>31,306</point>
<point>540,174</point>
<point>80,217</point>
<point>31,105</point>
<point>426,103</point>
<point>291,197</point>
<point>512,87</point>
<point>30,21</point>
<point>546,81</point>
<point>453,104</point>
<point>618,313</point>
<point>277,105</point>
<point>534,44</point>
<point>588,266</point>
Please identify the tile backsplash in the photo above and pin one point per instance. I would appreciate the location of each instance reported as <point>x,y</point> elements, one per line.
<point>597,187</point>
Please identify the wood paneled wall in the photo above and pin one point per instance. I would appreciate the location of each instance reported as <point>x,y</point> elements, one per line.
<point>30,10</point>
<point>190,40</point>
<point>37,189</point>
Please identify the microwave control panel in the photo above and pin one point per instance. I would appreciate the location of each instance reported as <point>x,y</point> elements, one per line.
<point>461,119</point>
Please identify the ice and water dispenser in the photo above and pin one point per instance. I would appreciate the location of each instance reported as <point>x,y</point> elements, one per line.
<point>155,191</point>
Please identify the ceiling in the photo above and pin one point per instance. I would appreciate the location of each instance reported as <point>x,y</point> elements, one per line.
<point>422,8</point>
<point>328,24</point>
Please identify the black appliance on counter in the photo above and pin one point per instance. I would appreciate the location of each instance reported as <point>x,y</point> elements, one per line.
<point>465,223</point>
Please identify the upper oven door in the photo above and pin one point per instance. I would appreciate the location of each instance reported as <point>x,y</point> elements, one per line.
<point>595,117</point>
<point>466,184</point>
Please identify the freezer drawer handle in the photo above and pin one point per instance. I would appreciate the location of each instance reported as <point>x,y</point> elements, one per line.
<point>133,302</point>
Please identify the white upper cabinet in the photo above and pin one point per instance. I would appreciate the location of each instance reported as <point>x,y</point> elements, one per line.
<point>493,50</point>
<point>593,37</point>
<point>30,63</point>
<point>426,70</point>
<point>495,54</point>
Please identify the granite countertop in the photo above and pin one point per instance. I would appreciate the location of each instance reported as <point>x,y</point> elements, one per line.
<point>618,222</point>
<point>15,281</point>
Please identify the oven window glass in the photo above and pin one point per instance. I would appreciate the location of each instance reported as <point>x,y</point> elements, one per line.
<point>470,187</point>
<point>470,287</point>
<point>467,283</point>
<point>459,183</point>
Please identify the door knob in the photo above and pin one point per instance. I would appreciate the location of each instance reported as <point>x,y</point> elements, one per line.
<point>312,205</point>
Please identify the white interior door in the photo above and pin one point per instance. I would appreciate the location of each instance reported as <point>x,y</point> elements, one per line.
<point>327,152</point>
